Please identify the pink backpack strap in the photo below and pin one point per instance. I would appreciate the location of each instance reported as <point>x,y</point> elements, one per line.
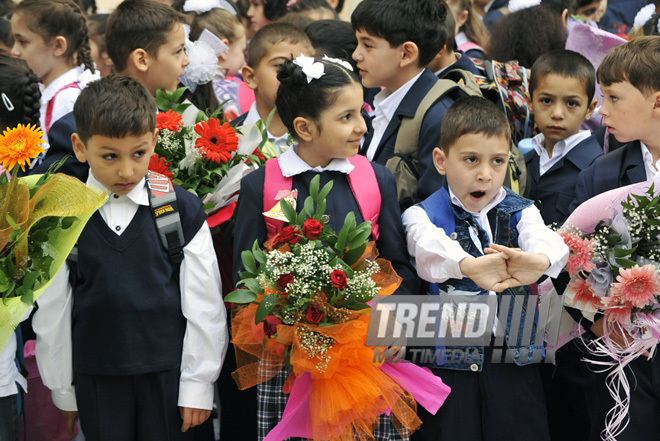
<point>362,180</point>
<point>274,181</point>
<point>51,103</point>
<point>469,46</point>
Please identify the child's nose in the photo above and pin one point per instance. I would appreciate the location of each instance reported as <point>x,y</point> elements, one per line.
<point>125,170</point>
<point>356,54</point>
<point>186,60</point>
<point>557,111</point>
<point>14,51</point>
<point>484,173</point>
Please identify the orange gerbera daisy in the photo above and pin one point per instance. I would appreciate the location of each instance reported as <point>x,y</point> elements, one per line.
<point>215,141</point>
<point>19,144</point>
<point>159,165</point>
<point>169,120</point>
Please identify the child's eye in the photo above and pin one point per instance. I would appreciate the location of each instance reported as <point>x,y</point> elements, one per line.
<point>613,98</point>
<point>573,104</point>
<point>546,101</point>
<point>471,159</point>
<point>498,161</point>
<point>110,156</point>
<point>139,153</point>
<point>346,117</point>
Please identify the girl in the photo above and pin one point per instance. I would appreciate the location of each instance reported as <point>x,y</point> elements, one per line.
<point>323,114</point>
<point>471,34</point>
<point>228,87</point>
<point>51,36</point>
<point>96,25</point>
<point>19,104</point>
<point>263,12</point>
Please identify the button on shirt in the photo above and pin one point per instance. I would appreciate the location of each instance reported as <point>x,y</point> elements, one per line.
<point>560,149</point>
<point>649,166</point>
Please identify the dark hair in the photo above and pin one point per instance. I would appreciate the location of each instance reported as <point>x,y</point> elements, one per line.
<point>220,22</point>
<point>525,35</point>
<point>334,38</point>
<point>636,62</point>
<point>567,64</point>
<point>52,18</point>
<point>5,34</point>
<point>272,34</point>
<point>651,26</point>
<point>274,9</point>
<point>312,5</point>
<point>114,106</point>
<point>96,24</point>
<point>450,26</point>
<point>474,28</point>
<point>138,24</point>
<point>472,115</point>
<point>21,88</point>
<point>398,21</point>
<point>297,97</point>
<point>298,19</point>
<point>558,6</point>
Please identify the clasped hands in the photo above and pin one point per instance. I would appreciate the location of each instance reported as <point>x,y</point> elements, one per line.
<point>503,268</point>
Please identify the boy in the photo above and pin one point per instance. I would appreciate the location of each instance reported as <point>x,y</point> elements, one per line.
<point>268,49</point>
<point>490,400</point>
<point>561,91</point>
<point>396,40</point>
<point>449,58</point>
<point>630,83</point>
<point>143,338</point>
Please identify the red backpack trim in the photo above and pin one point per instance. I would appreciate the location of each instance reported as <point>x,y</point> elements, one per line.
<point>51,103</point>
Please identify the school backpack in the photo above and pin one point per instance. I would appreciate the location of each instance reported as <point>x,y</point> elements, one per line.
<point>362,180</point>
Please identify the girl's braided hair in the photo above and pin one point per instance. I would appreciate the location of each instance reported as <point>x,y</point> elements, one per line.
<point>20,91</point>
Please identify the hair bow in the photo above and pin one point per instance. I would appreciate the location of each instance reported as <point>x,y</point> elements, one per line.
<point>519,5</point>
<point>203,55</point>
<point>642,16</point>
<point>338,61</point>
<point>202,6</point>
<point>313,69</point>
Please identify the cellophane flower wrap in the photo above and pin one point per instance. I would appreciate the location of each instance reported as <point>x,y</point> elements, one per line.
<point>306,306</point>
<point>614,265</point>
<point>41,218</point>
<point>205,154</point>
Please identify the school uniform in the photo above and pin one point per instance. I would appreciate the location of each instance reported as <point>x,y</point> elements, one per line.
<point>250,225</point>
<point>390,108</point>
<point>491,401</point>
<point>463,63</point>
<point>281,143</point>
<point>135,338</point>
<point>551,181</point>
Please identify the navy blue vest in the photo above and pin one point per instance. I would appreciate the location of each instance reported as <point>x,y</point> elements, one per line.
<point>127,317</point>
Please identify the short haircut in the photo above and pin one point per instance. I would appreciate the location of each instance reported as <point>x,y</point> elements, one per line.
<point>334,38</point>
<point>636,62</point>
<point>97,24</point>
<point>138,24</point>
<point>220,22</point>
<point>312,5</point>
<point>398,21</point>
<point>114,106</point>
<point>473,115</point>
<point>450,27</point>
<point>272,34</point>
<point>298,97</point>
<point>567,64</point>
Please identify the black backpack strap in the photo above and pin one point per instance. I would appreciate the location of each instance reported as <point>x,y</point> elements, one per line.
<point>72,261</point>
<point>165,211</point>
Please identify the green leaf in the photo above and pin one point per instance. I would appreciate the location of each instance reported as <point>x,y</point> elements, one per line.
<point>625,263</point>
<point>288,211</point>
<point>309,206</point>
<point>163,103</point>
<point>259,255</point>
<point>354,254</point>
<point>248,261</point>
<point>265,307</point>
<point>240,296</point>
<point>11,223</point>
<point>325,190</point>
<point>253,285</point>
<point>623,252</point>
<point>320,209</point>
<point>177,94</point>
<point>68,222</point>
<point>314,187</point>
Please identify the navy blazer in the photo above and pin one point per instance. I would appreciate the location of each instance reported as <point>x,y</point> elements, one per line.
<point>462,63</point>
<point>429,135</point>
<point>623,166</point>
<point>554,192</point>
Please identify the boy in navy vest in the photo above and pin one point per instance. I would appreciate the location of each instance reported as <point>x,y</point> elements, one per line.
<point>141,338</point>
<point>478,237</point>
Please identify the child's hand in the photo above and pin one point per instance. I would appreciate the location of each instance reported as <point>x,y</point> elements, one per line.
<point>71,417</point>
<point>522,266</point>
<point>489,271</point>
<point>193,417</point>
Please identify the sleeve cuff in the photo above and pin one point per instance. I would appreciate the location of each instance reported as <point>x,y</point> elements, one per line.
<point>196,395</point>
<point>65,399</point>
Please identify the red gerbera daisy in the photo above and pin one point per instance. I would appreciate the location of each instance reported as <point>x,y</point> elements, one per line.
<point>215,141</point>
<point>169,120</point>
<point>159,165</point>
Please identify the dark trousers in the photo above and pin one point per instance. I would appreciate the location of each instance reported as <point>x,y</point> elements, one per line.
<point>502,402</point>
<point>9,418</point>
<point>130,408</point>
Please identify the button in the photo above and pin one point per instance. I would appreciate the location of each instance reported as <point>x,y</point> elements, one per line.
<point>116,196</point>
<point>474,367</point>
<point>118,228</point>
<point>453,235</point>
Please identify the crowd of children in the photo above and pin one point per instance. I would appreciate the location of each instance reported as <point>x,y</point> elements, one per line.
<point>132,337</point>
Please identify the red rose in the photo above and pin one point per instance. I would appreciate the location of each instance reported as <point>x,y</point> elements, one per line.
<point>287,235</point>
<point>338,279</point>
<point>270,325</point>
<point>314,314</point>
<point>283,280</point>
<point>311,229</point>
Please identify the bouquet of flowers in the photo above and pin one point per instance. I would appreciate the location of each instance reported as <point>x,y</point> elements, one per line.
<point>204,154</point>
<point>614,262</point>
<point>41,218</point>
<point>307,308</point>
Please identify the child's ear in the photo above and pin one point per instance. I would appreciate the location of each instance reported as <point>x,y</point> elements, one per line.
<point>155,140</point>
<point>439,159</point>
<point>223,56</point>
<point>59,46</point>
<point>249,77</point>
<point>305,128</point>
<point>530,105</point>
<point>409,54</point>
<point>79,148</point>
<point>656,104</point>
<point>591,109</point>
<point>139,59</point>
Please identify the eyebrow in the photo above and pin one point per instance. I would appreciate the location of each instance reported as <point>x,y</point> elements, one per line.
<point>114,149</point>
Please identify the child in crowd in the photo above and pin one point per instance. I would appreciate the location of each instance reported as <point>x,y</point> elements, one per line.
<point>628,77</point>
<point>471,34</point>
<point>264,12</point>
<point>51,35</point>
<point>269,48</point>
<point>228,87</point>
<point>314,9</point>
<point>323,114</point>
<point>561,90</point>
<point>448,58</point>
<point>396,40</point>
<point>19,104</point>
<point>6,40</point>
<point>489,399</point>
<point>143,336</point>
<point>96,25</point>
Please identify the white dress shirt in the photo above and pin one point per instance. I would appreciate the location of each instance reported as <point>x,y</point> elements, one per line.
<point>650,168</point>
<point>560,149</point>
<point>205,340</point>
<point>291,164</point>
<point>281,143</point>
<point>67,97</point>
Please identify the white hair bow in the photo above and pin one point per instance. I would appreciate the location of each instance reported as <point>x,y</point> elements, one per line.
<point>344,63</point>
<point>643,15</point>
<point>203,55</point>
<point>313,69</point>
<point>202,6</point>
<point>519,5</point>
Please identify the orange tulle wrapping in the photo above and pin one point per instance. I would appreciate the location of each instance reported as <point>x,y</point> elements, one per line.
<point>348,390</point>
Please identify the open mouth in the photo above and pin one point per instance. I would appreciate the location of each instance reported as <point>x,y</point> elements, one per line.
<point>478,194</point>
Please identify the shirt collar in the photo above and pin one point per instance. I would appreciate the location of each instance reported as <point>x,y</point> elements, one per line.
<point>386,101</point>
<point>291,164</point>
<point>493,202</point>
<point>648,161</point>
<point>138,194</point>
<point>458,57</point>
<point>562,147</point>
<point>76,75</point>
<point>253,116</point>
